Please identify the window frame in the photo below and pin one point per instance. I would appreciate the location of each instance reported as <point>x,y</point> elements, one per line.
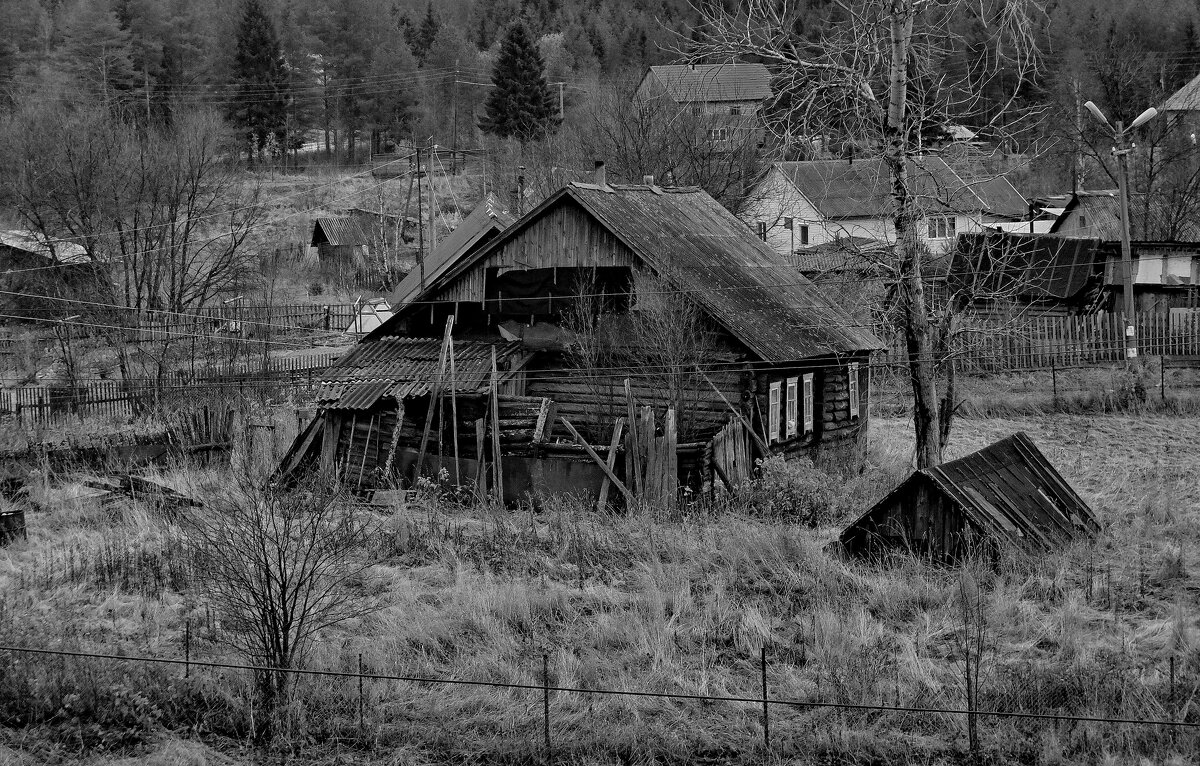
<point>773,396</point>
<point>853,398</point>
<point>808,423</point>
<point>760,229</point>
<point>736,109</point>
<point>941,226</point>
<point>804,234</point>
<point>791,406</point>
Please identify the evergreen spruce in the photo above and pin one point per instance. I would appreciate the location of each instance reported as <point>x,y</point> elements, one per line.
<point>520,106</point>
<point>260,71</point>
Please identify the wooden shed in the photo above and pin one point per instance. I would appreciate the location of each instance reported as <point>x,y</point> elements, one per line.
<point>784,370</point>
<point>34,269</point>
<point>1005,495</point>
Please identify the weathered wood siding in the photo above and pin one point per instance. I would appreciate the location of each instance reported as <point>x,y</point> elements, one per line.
<point>565,238</point>
<point>919,519</point>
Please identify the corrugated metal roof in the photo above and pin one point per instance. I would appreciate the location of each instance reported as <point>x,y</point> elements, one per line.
<point>31,242</point>
<point>857,255</point>
<point>487,219</point>
<point>713,82</point>
<point>397,368</point>
<point>1009,490</point>
<point>338,231</point>
<point>1026,265</point>
<point>863,188</point>
<point>687,237</point>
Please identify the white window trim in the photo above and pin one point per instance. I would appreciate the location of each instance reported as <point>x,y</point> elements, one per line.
<point>852,377</point>
<point>808,404</point>
<point>773,413</point>
<point>790,406</point>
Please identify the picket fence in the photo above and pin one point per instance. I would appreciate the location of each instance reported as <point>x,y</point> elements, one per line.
<point>1042,343</point>
<point>245,321</point>
<point>44,406</point>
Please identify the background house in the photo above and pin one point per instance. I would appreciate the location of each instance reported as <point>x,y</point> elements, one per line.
<point>798,204</point>
<point>1094,214</point>
<point>352,239</point>
<point>34,270</point>
<point>724,100</point>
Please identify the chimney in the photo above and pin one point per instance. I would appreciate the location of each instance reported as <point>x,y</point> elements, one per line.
<point>598,176</point>
<point>648,180</point>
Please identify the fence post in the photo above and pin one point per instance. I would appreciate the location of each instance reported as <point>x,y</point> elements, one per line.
<point>1054,379</point>
<point>360,696</point>
<point>766,717</point>
<point>187,648</point>
<point>546,708</point>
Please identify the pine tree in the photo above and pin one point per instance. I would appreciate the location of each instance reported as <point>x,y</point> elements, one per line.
<point>520,105</point>
<point>260,71</point>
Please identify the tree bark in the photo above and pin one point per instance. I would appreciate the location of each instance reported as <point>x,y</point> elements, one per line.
<point>918,333</point>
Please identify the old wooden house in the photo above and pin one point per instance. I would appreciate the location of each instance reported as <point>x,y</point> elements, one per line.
<point>605,307</point>
<point>33,269</point>
<point>1006,495</point>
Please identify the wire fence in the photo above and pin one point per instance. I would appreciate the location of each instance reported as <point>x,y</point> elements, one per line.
<point>1145,708</point>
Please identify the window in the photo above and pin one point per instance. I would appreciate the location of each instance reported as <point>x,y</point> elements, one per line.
<point>941,227</point>
<point>852,374</point>
<point>760,228</point>
<point>735,110</point>
<point>808,403</point>
<point>1083,221</point>
<point>790,406</point>
<point>804,235</point>
<point>696,110</point>
<point>718,134</point>
<point>787,223</point>
<point>773,413</point>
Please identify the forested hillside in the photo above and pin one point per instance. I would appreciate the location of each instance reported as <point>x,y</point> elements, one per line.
<point>420,68</point>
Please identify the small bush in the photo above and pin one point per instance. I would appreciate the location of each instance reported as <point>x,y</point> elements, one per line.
<point>791,489</point>
<point>315,288</point>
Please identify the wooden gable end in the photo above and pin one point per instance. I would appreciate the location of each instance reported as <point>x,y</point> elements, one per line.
<point>564,236</point>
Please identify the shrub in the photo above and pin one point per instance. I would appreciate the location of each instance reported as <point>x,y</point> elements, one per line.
<point>315,288</point>
<point>790,489</point>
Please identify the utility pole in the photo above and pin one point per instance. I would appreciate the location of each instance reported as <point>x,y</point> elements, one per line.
<point>420,219</point>
<point>454,130</point>
<point>432,206</point>
<point>1121,152</point>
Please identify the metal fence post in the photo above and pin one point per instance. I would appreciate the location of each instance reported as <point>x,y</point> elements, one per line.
<point>360,696</point>
<point>546,708</point>
<point>187,648</point>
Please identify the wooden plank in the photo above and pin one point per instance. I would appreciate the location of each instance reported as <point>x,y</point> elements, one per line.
<point>396,429</point>
<point>746,423</point>
<point>497,463</point>
<point>618,427</point>
<point>629,499</point>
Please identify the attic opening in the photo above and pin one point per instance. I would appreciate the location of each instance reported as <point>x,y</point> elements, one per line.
<point>547,293</point>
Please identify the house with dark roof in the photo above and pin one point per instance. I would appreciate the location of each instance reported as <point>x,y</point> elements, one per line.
<point>1005,496</point>
<point>798,204</point>
<point>1091,214</point>
<point>575,298</point>
<point>723,100</point>
<point>350,239</point>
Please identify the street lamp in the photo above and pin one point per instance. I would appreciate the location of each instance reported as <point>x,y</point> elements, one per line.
<point>1121,151</point>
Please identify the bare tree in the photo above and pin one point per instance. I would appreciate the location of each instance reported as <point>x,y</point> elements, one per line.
<point>872,78</point>
<point>278,566</point>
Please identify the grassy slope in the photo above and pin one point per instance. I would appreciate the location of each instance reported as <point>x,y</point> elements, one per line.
<point>678,605</point>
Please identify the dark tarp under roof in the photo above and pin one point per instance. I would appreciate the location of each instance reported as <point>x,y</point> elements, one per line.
<point>1031,266</point>
<point>1009,490</point>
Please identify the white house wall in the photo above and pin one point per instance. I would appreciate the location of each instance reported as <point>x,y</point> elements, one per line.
<point>776,198</point>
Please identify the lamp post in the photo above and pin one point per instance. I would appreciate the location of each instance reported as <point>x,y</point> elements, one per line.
<point>1121,152</point>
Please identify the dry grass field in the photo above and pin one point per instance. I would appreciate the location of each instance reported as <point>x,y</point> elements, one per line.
<point>641,602</point>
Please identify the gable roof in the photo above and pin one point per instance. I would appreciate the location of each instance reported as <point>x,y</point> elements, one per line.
<point>685,236</point>
<point>1010,491</point>
<point>31,242</point>
<point>712,82</point>
<point>1027,265</point>
<point>1102,209</point>
<point>485,221</point>
<point>1186,99</point>
<point>999,196</point>
<point>863,188</point>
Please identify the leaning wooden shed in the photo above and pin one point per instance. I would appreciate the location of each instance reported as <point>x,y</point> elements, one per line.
<point>1005,495</point>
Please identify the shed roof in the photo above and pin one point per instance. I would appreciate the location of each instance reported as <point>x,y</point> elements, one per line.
<point>863,188</point>
<point>1186,99</point>
<point>1102,209</point>
<point>338,231</point>
<point>838,256</point>
<point>32,242</point>
<point>398,368</point>
<point>1010,491</point>
<point>685,236</point>
<point>713,82</point>
<point>1026,265</point>
<point>485,221</point>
